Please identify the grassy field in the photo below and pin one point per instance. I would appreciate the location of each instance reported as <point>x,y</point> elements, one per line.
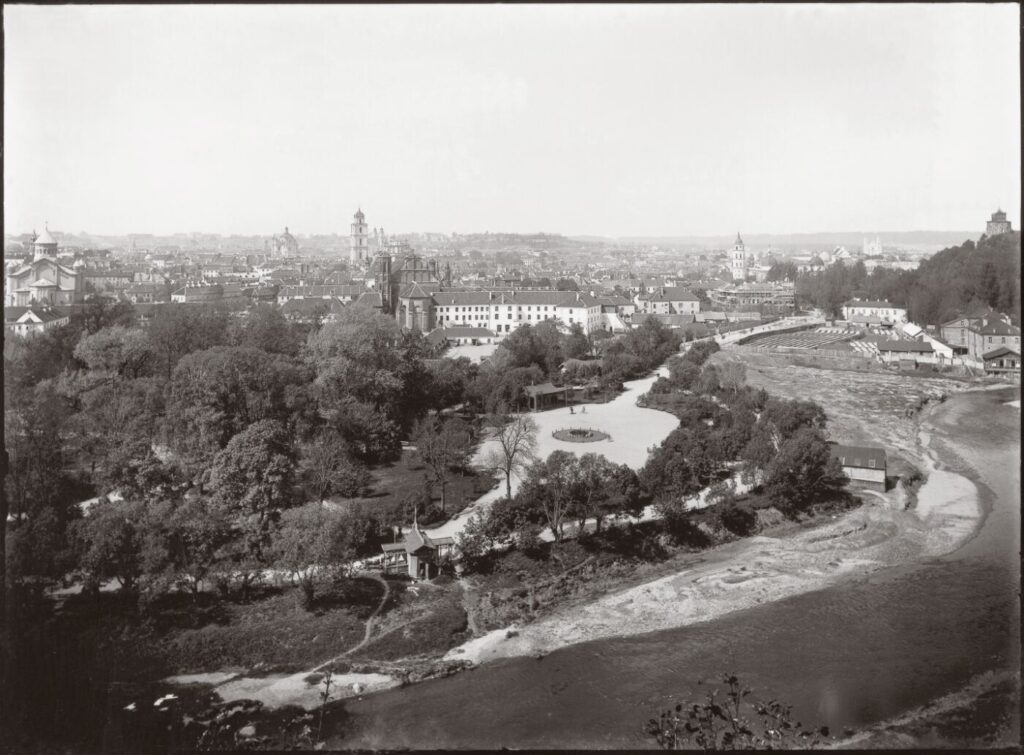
<point>175,635</point>
<point>394,484</point>
<point>424,619</point>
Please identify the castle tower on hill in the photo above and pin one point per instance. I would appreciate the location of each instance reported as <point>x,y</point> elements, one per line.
<point>359,239</point>
<point>998,224</point>
<point>738,259</point>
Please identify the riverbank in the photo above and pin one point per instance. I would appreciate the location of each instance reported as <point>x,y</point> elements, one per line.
<point>858,651</point>
<point>763,569</point>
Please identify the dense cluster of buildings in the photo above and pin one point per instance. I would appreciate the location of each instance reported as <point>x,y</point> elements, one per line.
<point>454,290</point>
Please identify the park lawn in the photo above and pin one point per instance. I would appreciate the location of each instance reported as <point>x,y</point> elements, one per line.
<point>394,483</point>
<point>272,632</point>
<point>421,619</point>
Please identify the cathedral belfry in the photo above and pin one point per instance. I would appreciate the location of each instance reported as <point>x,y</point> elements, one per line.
<point>359,246</point>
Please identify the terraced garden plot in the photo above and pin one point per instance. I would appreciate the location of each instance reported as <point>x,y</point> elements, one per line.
<point>802,340</point>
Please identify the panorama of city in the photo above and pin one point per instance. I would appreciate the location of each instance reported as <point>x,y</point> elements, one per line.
<point>728,457</point>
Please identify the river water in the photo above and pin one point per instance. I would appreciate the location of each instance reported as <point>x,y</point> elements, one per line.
<point>845,656</point>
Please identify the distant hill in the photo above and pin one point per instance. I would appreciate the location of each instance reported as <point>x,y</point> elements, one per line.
<point>986,272</point>
<point>789,240</point>
<point>971,274</point>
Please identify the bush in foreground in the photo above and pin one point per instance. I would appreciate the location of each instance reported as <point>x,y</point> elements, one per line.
<point>732,721</point>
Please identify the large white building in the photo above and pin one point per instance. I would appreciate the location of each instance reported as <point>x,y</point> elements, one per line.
<point>668,300</point>
<point>504,311</point>
<point>874,311</point>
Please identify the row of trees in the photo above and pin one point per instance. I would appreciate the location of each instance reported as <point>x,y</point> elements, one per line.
<point>555,491</point>
<point>986,273</point>
<point>725,426</point>
<point>536,353</point>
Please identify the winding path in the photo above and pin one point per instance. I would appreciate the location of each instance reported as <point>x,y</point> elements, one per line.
<point>369,621</point>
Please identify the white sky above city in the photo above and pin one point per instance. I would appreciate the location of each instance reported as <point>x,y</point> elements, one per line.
<point>606,120</point>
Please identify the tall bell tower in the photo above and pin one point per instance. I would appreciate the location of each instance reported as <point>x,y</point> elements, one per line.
<point>738,260</point>
<point>359,239</point>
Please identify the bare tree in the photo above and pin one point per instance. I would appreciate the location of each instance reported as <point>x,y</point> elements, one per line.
<point>732,375</point>
<point>517,444</point>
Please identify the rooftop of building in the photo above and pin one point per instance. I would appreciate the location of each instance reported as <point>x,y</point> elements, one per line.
<point>863,457</point>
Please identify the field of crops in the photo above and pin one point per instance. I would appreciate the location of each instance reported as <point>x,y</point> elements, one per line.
<point>823,338</point>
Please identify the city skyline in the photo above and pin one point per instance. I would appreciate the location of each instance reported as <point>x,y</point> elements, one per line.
<point>607,120</point>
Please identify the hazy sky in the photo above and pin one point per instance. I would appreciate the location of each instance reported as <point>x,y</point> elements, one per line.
<point>610,120</point>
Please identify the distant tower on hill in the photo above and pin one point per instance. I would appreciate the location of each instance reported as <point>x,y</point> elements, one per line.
<point>359,240</point>
<point>998,224</point>
<point>738,260</point>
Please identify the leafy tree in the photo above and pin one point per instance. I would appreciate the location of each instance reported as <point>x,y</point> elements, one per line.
<point>739,521</point>
<point>782,271</point>
<point>595,495</point>
<point>473,543</point>
<point>39,550</point>
<point>516,443</point>
<point>184,541</point>
<point>35,453</point>
<point>512,519</point>
<point>30,361</point>
<point>215,394</point>
<point>99,312</point>
<point>265,327</point>
<point>449,381</point>
<point>372,435</point>
<point>118,351</point>
<point>252,479</point>
<point>366,357</point>
<point>111,538</point>
<point>683,374</point>
<point>113,434</point>
<point>314,545</point>
<point>326,468</point>
<point>710,380</point>
<point>442,446</point>
<point>803,471</point>
<point>627,492</point>
<point>577,345</point>
<point>179,329</point>
<point>553,485</point>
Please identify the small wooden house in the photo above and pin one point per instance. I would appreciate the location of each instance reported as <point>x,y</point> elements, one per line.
<point>865,466</point>
<point>417,555</point>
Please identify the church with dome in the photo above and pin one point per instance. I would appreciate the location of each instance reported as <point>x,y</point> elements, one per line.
<point>285,245</point>
<point>44,281</point>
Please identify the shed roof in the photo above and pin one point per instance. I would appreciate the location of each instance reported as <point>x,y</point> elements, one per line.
<point>1002,351</point>
<point>861,457</point>
<point>544,389</point>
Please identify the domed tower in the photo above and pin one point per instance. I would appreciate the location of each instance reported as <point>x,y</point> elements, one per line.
<point>738,259</point>
<point>45,245</point>
<point>359,239</point>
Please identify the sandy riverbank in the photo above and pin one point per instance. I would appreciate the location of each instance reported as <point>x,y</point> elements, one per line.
<point>758,570</point>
